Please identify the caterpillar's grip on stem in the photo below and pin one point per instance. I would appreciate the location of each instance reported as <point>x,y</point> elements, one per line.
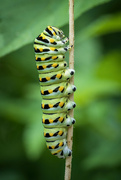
<point>54,78</point>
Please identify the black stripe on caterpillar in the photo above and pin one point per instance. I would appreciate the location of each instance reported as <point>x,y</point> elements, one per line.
<point>55,88</point>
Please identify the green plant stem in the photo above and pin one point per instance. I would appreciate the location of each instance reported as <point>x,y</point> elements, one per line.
<point>71,66</point>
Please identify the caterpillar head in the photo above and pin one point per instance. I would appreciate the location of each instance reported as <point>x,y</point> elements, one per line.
<point>54,32</point>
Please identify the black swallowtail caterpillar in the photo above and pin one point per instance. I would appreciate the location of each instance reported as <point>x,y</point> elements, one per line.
<point>55,88</point>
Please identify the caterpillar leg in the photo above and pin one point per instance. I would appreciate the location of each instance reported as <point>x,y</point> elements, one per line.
<point>65,40</point>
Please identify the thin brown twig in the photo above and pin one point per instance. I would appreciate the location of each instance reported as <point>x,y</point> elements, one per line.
<point>71,66</point>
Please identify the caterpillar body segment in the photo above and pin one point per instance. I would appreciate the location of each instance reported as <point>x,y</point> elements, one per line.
<point>54,32</point>
<point>57,105</point>
<point>59,148</point>
<point>57,120</point>
<point>48,41</point>
<point>54,76</point>
<point>42,49</point>
<point>48,58</point>
<point>56,145</point>
<point>61,90</point>
<point>51,66</point>
<point>55,134</point>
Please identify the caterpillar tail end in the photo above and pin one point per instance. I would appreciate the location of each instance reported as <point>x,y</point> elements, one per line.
<point>66,152</point>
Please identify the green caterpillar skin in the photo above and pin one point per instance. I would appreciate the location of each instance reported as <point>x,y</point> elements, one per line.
<point>54,77</point>
<point>57,120</point>
<point>52,66</point>
<point>57,105</point>
<point>61,90</point>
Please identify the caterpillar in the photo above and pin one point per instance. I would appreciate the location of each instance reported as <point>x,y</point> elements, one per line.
<point>50,48</point>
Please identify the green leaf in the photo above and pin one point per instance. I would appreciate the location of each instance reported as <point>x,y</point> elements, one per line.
<point>33,139</point>
<point>106,154</point>
<point>83,6</point>
<point>86,58</point>
<point>108,24</point>
<point>101,116</point>
<point>90,88</point>
<point>110,67</point>
<point>104,25</point>
<point>24,111</point>
<point>21,21</point>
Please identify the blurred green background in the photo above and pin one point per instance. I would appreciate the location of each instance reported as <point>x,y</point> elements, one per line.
<point>97,132</point>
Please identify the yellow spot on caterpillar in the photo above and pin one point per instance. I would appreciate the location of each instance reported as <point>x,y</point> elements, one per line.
<point>58,150</point>
<point>58,75</point>
<point>49,27</point>
<point>40,35</point>
<point>53,147</point>
<point>51,40</point>
<point>50,105</point>
<point>40,79</point>
<point>55,64</point>
<point>36,58</point>
<point>52,48</point>
<point>54,57</point>
<point>51,134</point>
<point>37,67</point>
<point>41,49</point>
<point>61,104</point>
<point>60,119</point>
<point>50,121</point>
<point>54,33</point>
<point>35,48</point>
<point>43,120</point>
<point>43,106</point>
<point>42,92</point>
<point>43,37</point>
<point>44,66</point>
<point>42,59</point>
<point>61,143</point>
<point>48,147</point>
<point>60,133</point>
<point>44,134</point>
<point>61,88</point>
<point>50,91</point>
<point>48,78</point>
